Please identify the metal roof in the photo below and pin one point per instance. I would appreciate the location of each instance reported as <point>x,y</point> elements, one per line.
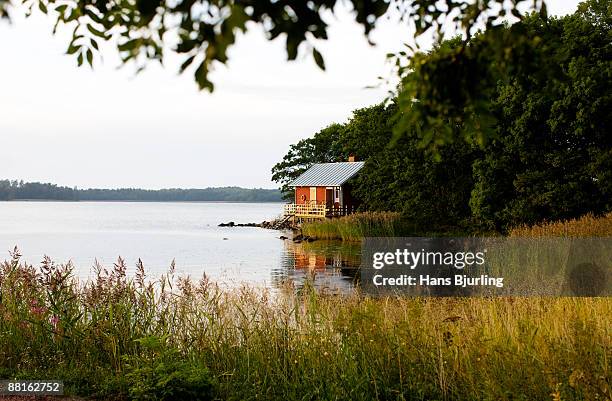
<point>327,174</point>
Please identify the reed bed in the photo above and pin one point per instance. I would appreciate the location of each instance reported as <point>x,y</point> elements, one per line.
<point>585,226</point>
<point>355,227</point>
<point>126,337</point>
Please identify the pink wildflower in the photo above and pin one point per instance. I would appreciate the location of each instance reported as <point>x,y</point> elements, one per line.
<point>35,309</point>
<point>54,320</point>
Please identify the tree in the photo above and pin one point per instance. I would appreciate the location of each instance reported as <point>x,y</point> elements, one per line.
<point>34,190</point>
<point>397,176</point>
<point>369,130</point>
<point>201,33</point>
<point>552,156</point>
<point>550,153</point>
<point>432,195</point>
<point>323,147</point>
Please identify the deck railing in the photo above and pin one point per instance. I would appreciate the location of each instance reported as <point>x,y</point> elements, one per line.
<point>339,211</point>
<point>313,210</point>
<point>309,210</point>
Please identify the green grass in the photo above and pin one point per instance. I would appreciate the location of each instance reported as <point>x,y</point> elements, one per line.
<point>122,338</point>
<point>356,226</point>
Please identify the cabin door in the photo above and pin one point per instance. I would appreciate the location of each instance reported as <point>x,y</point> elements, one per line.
<point>313,194</point>
<point>329,197</point>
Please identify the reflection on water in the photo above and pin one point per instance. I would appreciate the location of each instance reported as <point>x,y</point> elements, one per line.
<point>331,266</point>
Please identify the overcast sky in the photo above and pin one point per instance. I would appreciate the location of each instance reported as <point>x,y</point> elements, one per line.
<point>107,128</point>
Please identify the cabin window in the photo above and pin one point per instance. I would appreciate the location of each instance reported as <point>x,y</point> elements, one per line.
<point>337,195</point>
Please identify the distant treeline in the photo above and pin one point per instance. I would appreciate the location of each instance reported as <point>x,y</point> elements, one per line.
<point>16,190</point>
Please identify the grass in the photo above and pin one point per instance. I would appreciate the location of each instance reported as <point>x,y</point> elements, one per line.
<point>128,337</point>
<point>355,227</point>
<point>122,338</point>
<point>585,226</point>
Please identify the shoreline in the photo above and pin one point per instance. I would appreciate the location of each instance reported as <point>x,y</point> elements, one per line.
<point>130,201</point>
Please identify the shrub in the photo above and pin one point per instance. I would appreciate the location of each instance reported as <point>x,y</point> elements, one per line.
<point>166,375</point>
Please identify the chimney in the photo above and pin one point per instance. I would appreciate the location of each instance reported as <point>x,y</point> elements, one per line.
<point>352,158</point>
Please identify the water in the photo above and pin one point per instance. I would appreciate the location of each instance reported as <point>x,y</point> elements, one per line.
<point>187,233</point>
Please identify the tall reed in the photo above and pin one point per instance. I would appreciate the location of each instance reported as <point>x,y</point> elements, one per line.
<point>585,226</point>
<point>128,337</point>
<point>355,227</point>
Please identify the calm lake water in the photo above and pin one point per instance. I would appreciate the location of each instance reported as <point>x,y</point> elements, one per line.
<point>187,233</point>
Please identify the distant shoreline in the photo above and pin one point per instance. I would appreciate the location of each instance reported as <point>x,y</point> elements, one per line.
<point>138,201</point>
<point>39,192</point>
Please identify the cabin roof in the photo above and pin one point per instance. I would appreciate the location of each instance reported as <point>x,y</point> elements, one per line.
<point>327,174</point>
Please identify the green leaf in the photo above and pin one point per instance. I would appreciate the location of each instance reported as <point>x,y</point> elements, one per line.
<point>96,32</point>
<point>60,9</point>
<point>80,59</point>
<point>129,45</point>
<point>293,42</point>
<point>72,49</point>
<point>318,58</point>
<point>90,57</point>
<point>42,6</point>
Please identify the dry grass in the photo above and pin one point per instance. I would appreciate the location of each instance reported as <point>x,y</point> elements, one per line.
<point>585,226</point>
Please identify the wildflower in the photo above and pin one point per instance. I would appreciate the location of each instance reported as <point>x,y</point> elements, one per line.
<point>54,320</point>
<point>35,309</point>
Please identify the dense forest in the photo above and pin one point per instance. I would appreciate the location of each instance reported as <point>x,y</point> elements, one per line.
<point>15,190</point>
<point>547,154</point>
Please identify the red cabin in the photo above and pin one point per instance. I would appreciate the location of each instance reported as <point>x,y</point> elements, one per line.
<point>324,190</point>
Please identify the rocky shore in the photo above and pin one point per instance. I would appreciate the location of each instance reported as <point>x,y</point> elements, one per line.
<point>297,238</point>
<point>278,224</point>
<point>284,223</point>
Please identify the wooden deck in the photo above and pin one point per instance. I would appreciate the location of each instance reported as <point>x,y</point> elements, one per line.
<point>314,211</point>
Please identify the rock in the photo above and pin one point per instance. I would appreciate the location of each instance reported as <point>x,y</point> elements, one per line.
<point>283,237</point>
<point>225,239</point>
<point>283,223</point>
<point>298,237</point>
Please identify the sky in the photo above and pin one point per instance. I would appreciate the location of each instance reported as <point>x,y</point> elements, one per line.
<point>110,128</point>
